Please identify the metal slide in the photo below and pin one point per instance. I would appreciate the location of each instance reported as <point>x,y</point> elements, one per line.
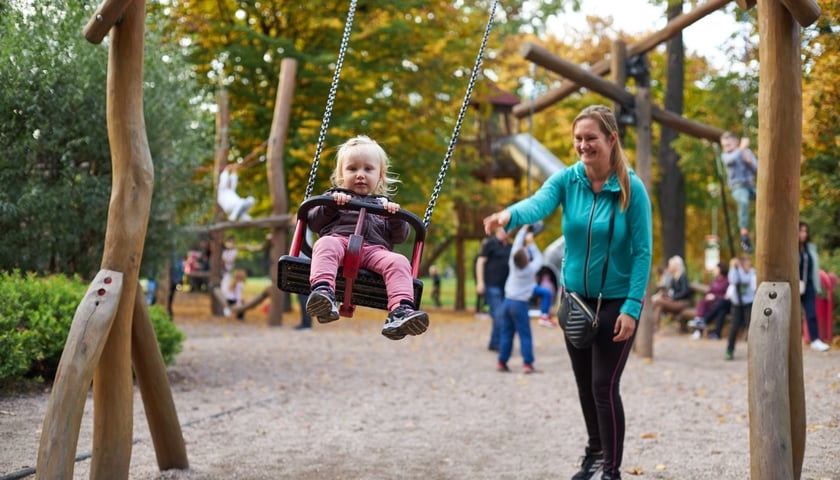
<point>519,147</point>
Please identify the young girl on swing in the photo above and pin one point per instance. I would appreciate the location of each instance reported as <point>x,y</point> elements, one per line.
<point>361,174</point>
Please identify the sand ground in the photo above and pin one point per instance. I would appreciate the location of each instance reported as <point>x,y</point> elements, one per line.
<point>343,402</point>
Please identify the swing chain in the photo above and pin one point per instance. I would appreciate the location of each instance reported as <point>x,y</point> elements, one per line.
<point>331,98</point>
<point>450,150</point>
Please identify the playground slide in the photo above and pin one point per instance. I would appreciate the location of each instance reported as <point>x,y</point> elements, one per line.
<point>543,164</point>
<point>521,146</point>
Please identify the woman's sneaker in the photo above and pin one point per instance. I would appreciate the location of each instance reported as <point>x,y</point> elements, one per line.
<point>590,465</point>
<point>321,304</point>
<point>404,320</point>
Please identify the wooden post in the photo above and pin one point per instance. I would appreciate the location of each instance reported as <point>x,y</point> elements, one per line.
<point>128,216</point>
<point>170,450</point>
<point>769,402</point>
<point>217,238</point>
<point>777,205</point>
<point>460,274</point>
<point>644,170</point>
<point>85,342</point>
<point>277,180</point>
<point>618,67</point>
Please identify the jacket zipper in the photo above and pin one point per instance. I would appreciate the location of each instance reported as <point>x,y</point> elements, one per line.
<point>589,247</point>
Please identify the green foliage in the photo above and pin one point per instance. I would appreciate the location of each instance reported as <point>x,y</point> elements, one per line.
<point>35,318</point>
<point>55,164</point>
<point>170,338</point>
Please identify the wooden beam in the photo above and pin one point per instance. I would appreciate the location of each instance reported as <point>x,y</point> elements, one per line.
<point>603,67</point>
<point>805,12</point>
<point>274,221</point>
<point>777,205</point>
<point>555,63</point>
<point>82,350</point>
<point>106,16</point>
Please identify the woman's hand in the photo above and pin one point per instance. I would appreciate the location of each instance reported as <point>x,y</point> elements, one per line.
<point>625,325</point>
<point>498,219</point>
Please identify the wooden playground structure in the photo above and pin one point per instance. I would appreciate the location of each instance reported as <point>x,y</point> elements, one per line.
<point>111,339</point>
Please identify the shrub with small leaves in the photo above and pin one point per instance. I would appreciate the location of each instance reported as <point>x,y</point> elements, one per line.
<point>35,318</point>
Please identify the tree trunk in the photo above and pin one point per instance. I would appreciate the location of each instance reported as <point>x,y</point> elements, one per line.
<point>671,188</point>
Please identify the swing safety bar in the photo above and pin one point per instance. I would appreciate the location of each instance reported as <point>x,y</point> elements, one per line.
<point>357,286</point>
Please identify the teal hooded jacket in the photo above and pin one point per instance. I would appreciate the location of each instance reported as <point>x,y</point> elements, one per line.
<point>586,220</point>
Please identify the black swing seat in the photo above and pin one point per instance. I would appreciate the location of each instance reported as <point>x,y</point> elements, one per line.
<point>368,288</point>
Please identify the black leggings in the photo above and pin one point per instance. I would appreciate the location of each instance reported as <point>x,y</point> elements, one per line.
<point>598,370</point>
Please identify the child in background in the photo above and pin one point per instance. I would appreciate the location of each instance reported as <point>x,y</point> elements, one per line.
<point>361,173</point>
<point>435,274</point>
<point>234,293</point>
<point>713,305</point>
<point>741,292</point>
<point>232,204</point>
<point>525,262</point>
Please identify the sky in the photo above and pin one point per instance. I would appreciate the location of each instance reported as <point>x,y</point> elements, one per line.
<point>709,36</point>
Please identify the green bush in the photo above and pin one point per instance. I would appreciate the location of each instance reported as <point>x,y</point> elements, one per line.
<point>35,318</point>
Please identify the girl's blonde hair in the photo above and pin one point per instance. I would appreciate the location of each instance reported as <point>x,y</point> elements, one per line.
<point>618,160</point>
<point>365,146</point>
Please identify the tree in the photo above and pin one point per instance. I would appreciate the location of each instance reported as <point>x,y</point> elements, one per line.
<point>55,161</point>
<point>820,201</point>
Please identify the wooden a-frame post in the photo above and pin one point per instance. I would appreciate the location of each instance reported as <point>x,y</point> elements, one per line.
<point>112,326</point>
<point>772,456</point>
<point>776,450</point>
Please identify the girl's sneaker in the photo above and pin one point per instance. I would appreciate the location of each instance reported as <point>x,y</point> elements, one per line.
<point>545,321</point>
<point>404,320</point>
<point>321,304</point>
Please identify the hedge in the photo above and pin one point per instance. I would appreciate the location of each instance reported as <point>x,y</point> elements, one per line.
<point>35,318</point>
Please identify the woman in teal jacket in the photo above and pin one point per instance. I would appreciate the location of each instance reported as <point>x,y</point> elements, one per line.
<point>586,192</point>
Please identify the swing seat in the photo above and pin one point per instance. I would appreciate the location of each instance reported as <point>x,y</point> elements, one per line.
<point>367,288</point>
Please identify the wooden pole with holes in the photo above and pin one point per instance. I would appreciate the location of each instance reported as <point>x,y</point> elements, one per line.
<point>777,206</point>
<point>108,328</point>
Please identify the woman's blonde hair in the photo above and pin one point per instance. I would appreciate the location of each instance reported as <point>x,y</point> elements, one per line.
<point>618,160</point>
<point>365,146</point>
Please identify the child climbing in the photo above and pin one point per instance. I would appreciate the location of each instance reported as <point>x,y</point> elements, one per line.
<point>234,206</point>
<point>361,174</point>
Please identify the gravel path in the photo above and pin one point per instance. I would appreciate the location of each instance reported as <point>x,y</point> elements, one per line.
<point>343,402</point>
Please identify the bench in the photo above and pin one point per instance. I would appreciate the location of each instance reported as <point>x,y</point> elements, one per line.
<point>687,314</point>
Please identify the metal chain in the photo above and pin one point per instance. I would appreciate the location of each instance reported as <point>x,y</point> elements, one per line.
<point>449,151</point>
<point>330,99</point>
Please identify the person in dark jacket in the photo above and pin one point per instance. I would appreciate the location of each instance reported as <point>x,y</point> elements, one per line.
<point>361,174</point>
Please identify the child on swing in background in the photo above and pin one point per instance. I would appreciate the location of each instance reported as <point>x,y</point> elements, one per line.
<point>361,173</point>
